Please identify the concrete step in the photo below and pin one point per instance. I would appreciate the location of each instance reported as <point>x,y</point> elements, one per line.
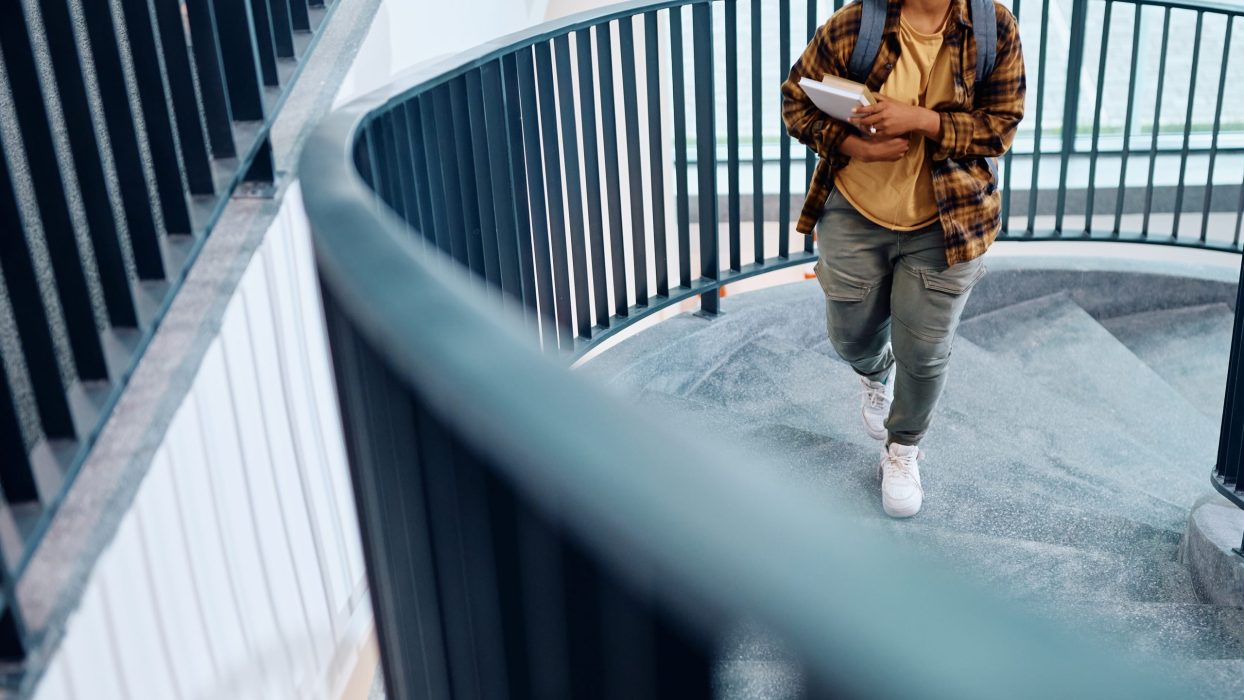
<point>1053,342</point>
<point>1187,347</point>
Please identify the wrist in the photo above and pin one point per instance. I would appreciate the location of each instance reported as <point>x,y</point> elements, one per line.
<point>852,146</point>
<point>931,125</point>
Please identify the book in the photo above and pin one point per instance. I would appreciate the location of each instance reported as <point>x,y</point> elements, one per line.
<point>836,96</point>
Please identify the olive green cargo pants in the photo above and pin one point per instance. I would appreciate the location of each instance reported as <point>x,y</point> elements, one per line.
<point>891,299</point>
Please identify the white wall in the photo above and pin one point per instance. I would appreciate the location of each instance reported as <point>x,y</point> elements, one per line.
<point>237,571</point>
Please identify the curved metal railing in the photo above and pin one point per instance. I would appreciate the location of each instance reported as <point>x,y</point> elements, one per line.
<point>527,534</point>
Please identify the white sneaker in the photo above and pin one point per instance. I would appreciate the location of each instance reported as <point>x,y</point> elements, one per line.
<point>876,405</point>
<point>901,492</point>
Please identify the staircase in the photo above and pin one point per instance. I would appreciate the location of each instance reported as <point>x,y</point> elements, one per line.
<point>1073,438</point>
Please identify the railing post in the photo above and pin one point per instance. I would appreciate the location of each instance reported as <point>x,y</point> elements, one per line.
<point>1071,100</point>
<point>706,152</point>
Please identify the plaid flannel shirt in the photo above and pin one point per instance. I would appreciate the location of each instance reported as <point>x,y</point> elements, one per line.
<point>978,124</point>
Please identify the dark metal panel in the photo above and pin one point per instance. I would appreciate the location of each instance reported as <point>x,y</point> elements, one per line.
<point>574,195</point>
<point>265,42</point>
<point>681,186</point>
<point>539,214</point>
<point>634,162</point>
<point>445,159</point>
<point>211,71</point>
<point>16,479</point>
<point>190,136</point>
<point>135,196</point>
<point>1213,148</point>
<point>298,17</point>
<point>613,188</point>
<point>49,190</point>
<point>236,40</point>
<point>437,196</point>
<point>393,519</point>
<point>84,147</point>
<point>1157,119</point>
<point>591,175</point>
<point>481,218</point>
<point>1183,156</point>
<point>554,188</point>
<point>158,124</point>
<point>706,152</point>
<point>30,318</point>
<point>656,147</point>
<point>502,187</point>
<point>282,28</point>
<point>518,175</point>
<point>732,130</point>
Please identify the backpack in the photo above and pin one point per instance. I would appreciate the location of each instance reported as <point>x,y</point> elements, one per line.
<point>872,25</point>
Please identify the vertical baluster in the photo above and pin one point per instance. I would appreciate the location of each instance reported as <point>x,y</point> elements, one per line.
<point>503,509</point>
<point>1157,120</point>
<point>1231,430</point>
<point>17,481</point>
<point>1183,154</point>
<point>732,131</point>
<point>30,317</point>
<point>591,174</point>
<point>574,193</point>
<point>1036,144</point>
<point>634,162</point>
<point>481,218</point>
<point>517,160</point>
<point>706,153</point>
<point>405,165</point>
<point>809,242</point>
<point>84,148</point>
<point>784,168</point>
<point>437,196</point>
<point>448,124</point>
<point>265,44</point>
<point>282,29</point>
<point>656,147</point>
<point>159,128</point>
<point>421,201</point>
<point>1127,122</point>
<point>194,151</point>
<point>613,189</point>
<point>501,186</point>
<point>298,17</point>
<point>1071,106</point>
<point>210,69</point>
<point>135,197</point>
<point>682,193</point>
<point>628,638</point>
<point>553,180</point>
<point>1007,165</point>
<point>539,215</point>
<point>1101,83</point>
<point>44,175</point>
<point>581,581</point>
<point>388,187</point>
<point>759,88</point>
<point>544,608</point>
<point>236,40</point>
<point>1213,147</point>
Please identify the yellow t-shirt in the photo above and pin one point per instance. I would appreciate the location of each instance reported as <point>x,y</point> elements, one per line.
<point>899,194</point>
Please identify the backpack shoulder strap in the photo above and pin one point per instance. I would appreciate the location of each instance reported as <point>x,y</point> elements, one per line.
<point>872,26</point>
<point>985,29</point>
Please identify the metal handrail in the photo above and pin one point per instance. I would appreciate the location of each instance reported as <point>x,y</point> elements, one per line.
<point>460,430</point>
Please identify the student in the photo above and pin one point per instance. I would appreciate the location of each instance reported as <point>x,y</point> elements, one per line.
<point>905,200</point>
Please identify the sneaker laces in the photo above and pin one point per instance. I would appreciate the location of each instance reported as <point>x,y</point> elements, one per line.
<point>875,396</point>
<point>901,465</point>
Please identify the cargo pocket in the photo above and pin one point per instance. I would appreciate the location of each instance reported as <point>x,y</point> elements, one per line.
<point>838,287</point>
<point>955,280</point>
<point>946,293</point>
